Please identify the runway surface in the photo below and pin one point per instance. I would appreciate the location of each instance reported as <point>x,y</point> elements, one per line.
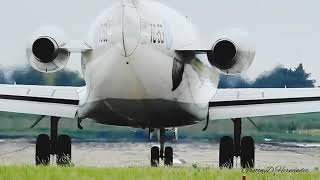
<point>126,154</point>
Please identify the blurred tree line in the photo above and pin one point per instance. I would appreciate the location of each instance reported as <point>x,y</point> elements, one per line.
<point>280,77</point>
<point>30,76</point>
<point>2,78</point>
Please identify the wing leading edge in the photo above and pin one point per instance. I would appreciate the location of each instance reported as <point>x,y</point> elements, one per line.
<point>240,103</point>
<point>40,100</point>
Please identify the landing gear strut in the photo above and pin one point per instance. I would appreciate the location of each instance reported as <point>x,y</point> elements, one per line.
<point>53,145</point>
<point>163,153</point>
<point>237,147</point>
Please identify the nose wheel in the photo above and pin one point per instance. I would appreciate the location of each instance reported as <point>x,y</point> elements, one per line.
<point>162,152</point>
<point>155,156</point>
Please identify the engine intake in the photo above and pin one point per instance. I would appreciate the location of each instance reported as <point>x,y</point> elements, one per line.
<point>45,49</point>
<point>223,54</point>
<point>233,51</point>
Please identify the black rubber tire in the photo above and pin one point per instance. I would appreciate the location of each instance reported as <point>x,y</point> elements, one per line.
<point>168,156</point>
<point>247,157</point>
<point>42,156</point>
<point>226,152</point>
<point>155,156</point>
<point>64,150</point>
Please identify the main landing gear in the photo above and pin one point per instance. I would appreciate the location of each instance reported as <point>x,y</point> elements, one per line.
<point>163,153</point>
<point>237,147</point>
<point>53,145</point>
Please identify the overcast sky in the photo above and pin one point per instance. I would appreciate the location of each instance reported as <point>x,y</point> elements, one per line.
<point>287,32</point>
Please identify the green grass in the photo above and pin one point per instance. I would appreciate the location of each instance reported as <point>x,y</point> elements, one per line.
<point>35,173</point>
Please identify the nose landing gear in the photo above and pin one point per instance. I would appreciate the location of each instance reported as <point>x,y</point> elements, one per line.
<point>162,153</point>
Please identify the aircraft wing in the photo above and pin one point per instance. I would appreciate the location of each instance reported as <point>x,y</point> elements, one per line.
<point>40,100</point>
<point>241,103</point>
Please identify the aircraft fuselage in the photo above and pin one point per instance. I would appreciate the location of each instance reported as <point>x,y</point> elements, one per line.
<point>133,75</point>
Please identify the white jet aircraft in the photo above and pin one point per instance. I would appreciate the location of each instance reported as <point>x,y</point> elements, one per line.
<point>145,66</point>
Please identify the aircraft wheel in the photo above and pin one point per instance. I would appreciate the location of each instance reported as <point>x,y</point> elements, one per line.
<point>168,156</point>
<point>42,156</point>
<point>64,150</point>
<point>247,152</point>
<point>226,152</point>
<point>155,156</point>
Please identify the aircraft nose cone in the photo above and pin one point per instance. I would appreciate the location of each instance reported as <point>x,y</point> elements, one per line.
<point>130,29</point>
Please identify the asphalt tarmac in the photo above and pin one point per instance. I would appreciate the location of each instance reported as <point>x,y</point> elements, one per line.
<point>127,154</point>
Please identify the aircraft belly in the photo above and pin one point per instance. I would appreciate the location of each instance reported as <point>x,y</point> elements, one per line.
<point>155,113</point>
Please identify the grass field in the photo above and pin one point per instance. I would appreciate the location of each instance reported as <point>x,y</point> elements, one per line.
<point>35,173</point>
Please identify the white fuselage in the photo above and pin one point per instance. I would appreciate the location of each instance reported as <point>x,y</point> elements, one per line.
<point>134,76</point>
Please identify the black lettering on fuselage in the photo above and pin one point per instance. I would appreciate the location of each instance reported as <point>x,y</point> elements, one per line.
<point>157,34</point>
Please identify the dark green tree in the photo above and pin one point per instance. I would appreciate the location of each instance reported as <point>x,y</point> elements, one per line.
<point>3,79</point>
<point>235,81</point>
<point>67,78</point>
<point>280,77</point>
<point>30,76</point>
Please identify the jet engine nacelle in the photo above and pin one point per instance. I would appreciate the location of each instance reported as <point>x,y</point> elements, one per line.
<point>233,52</point>
<point>45,52</point>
